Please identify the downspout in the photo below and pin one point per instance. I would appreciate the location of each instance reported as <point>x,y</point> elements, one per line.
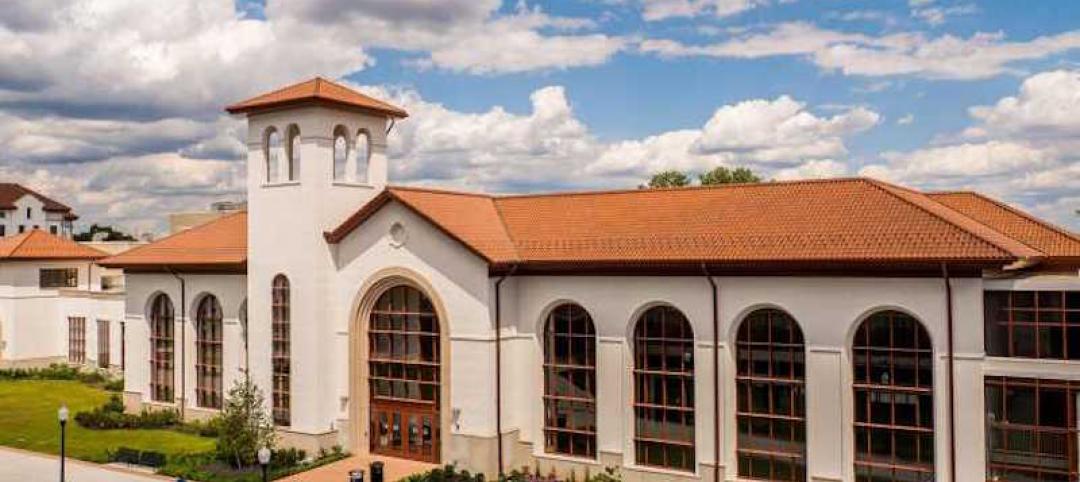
<point>183,340</point>
<point>716,370</point>
<point>498,365</point>
<point>952,372</point>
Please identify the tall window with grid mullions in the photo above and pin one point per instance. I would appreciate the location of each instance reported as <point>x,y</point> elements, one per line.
<point>664,390</point>
<point>570,382</point>
<point>771,410</point>
<point>894,399</point>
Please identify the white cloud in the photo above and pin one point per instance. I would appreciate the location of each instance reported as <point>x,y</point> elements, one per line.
<point>906,120</point>
<point>1023,149</point>
<point>981,55</point>
<point>814,169</point>
<point>780,130</point>
<point>937,15</point>
<point>459,35</point>
<point>501,151</point>
<point>941,165</point>
<point>653,10</point>
<point>1048,104</point>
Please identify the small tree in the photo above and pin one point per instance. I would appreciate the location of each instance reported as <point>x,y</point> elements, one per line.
<point>245,426</point>
<point>669,178</point>
<point>723,175</point>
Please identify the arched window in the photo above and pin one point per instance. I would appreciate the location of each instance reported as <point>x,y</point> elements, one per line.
<point>894,399</point>
<point>341,153</point>
<point>293,156</point>
<point>570,382</point>
<point>363,155</point>
<point>208,358</point>
<point>274,155</point>
<point>770,380</point>
<point>161,349</point>
<point>664,389</point>
<point>280,360</point>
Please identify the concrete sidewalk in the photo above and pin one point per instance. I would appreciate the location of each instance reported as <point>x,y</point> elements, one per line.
<point>23,466</point>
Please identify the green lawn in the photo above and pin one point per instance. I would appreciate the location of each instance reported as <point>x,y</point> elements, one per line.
<point>28,421</point>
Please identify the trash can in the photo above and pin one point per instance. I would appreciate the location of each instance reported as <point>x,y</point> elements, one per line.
<point>356,475</point>
<point>376,471</point>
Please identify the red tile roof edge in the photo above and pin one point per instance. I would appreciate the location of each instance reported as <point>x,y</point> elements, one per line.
<point>117,260</point>
<point>87,252</point>
<point>1046,224</point>
<point>51,204</point>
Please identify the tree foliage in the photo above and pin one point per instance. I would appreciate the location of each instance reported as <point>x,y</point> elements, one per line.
<point>723,175</point>
<point>111,234</point>
<point>716,176</point>
<point>669,178</point>
<point>245,425</point>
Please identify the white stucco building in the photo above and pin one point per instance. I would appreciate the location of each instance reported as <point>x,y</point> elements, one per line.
<point>22,209</point>
<point>53,307</point>
<point>833,330</point>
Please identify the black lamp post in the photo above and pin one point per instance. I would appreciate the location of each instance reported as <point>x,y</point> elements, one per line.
<point>264,462</point>
<point>62,415</point>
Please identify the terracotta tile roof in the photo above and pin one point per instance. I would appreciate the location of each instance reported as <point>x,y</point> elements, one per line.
<point>840,220</point>
<point>1051,240</point>
<point>220,244</point>
<point>37,244</point>
<point>315,90</point>
<point>11,192</point>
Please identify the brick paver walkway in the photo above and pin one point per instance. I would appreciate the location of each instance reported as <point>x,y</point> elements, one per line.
<point>395,469</point>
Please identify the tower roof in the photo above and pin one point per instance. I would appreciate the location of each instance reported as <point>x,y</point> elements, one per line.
<point>317,91</point>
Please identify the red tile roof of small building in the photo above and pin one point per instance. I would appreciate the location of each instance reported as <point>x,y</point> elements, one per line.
<point>220,244</point>
<point>11,192</point>
<point>813,221</point>
<point>315,90</point>
<point>37,244</point>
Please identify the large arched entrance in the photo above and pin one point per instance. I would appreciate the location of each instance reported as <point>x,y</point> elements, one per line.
<point>404,379</point>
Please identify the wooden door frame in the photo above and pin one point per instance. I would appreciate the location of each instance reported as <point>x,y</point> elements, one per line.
<point>359,393</point>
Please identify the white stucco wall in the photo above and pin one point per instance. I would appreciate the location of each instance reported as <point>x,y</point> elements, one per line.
<point>34,321</point>
<point>230,290</point>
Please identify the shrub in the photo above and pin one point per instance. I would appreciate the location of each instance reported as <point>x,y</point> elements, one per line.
<point>111,416</point>
<point>448,473</point>
<point>210,427</point>
<point>114,385</point>
<point>245,426</point>
<point>286,458</point>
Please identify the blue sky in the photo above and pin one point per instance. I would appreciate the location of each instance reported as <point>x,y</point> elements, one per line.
<point>122,119</point>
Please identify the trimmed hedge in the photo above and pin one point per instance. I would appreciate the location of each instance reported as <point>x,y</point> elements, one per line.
<point>58,371</point>
<point>111,416</point>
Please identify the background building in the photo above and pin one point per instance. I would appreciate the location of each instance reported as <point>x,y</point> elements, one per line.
<point>22,209</point>
<point>54,307</point>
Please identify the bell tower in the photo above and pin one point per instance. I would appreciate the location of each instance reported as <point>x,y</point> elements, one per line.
<point>316,153</point>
